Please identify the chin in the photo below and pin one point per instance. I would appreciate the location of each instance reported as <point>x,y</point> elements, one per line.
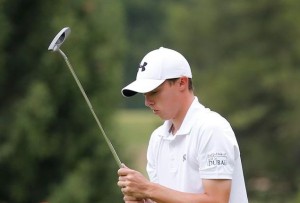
<point>164,117</point>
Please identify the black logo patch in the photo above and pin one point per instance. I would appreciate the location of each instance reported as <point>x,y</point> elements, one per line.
<point>143,67</point>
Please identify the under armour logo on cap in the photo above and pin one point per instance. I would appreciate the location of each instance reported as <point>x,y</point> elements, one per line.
<point>143,67</point>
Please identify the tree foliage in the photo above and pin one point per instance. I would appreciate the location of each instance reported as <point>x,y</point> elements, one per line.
<point>50,147</point>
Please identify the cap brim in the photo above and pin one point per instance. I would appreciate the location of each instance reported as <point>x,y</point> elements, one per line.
<point>140,86</point>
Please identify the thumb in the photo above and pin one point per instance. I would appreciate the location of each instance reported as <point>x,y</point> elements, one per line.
<point>123,165</point>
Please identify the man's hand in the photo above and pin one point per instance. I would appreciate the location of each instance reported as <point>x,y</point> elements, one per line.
<point>137,189</point>
<point>131,199</point>
<point>132,183</point>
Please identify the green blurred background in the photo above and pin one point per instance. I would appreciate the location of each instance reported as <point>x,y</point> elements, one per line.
<point>245,57</point>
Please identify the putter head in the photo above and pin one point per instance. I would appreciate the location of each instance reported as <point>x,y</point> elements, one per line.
<point>59,39</point>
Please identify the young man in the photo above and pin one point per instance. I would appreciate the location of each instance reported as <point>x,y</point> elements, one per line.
<point>194,156</point>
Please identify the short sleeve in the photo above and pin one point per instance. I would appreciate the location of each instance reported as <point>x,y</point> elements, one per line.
<point>217,151</point>
<point>152,153</point>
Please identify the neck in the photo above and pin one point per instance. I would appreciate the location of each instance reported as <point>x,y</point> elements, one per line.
<point>185,105</point>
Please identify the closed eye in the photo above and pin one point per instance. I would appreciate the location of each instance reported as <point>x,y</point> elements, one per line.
<point>150,94</point>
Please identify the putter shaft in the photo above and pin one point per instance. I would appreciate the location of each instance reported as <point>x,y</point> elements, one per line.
<point>113,151</point>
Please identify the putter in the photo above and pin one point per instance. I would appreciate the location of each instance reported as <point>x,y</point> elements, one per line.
<point>55,46</point>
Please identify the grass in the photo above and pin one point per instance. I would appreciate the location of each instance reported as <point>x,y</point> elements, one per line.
<point>135,128</point>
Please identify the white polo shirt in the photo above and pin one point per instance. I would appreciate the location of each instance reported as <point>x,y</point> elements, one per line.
<point>204,147</point>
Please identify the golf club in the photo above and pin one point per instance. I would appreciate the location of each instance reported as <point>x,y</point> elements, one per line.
<point>55,46</point>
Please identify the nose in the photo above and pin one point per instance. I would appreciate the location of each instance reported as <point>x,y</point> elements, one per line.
<point>148,101</point>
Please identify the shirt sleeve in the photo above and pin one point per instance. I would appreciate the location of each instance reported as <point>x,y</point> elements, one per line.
<point>217,151</point>
<point>152,153</point>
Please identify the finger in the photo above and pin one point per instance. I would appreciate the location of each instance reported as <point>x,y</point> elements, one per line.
<point>124,190</point>
<point>135,201</point>
<point>123,165</point>
<point>122,178</point>
<point>129,198</point>
<point>124,171</point>
<point>122,183</point>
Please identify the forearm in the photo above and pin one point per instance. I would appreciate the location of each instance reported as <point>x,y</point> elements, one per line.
<point>161,194</point>
<point>135,185</point>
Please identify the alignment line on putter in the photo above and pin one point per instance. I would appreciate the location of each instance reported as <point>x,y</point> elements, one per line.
<point>54,46</point>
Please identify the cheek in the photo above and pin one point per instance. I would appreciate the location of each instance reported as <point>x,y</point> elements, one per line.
<point>171,97</point>
<point>166,99</point>
<point>169,103</point>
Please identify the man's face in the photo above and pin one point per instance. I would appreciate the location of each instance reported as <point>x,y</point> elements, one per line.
<point>163,100</point>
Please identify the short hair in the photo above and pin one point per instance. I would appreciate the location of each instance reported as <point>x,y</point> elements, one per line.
<point>190,82</point>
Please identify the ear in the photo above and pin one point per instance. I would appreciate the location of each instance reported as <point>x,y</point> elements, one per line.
<point>183,83</point>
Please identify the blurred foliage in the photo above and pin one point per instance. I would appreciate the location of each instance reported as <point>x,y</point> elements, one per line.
<point>245,61</point>
<point>134,129</point>
<point>50,146</point>
<point>145,21</point>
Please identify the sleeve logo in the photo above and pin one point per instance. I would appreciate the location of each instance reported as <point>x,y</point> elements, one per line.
<point>217,159</point>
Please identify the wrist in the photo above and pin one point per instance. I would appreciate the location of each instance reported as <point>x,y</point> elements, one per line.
<point>150,191</point>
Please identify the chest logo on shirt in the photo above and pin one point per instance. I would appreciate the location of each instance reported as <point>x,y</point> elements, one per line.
<point>217,159</point>
<point>184,158</point>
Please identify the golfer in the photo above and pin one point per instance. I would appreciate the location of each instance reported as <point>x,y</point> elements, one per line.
<point>193,157</point>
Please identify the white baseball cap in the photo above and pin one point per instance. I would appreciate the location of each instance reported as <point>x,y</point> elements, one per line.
<point>157,66</point>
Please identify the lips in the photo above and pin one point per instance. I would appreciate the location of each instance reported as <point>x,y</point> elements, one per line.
<point>154,111</point>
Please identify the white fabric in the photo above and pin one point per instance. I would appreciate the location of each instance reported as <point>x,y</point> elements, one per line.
<point>204,147</point>
<point>157,66</point>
